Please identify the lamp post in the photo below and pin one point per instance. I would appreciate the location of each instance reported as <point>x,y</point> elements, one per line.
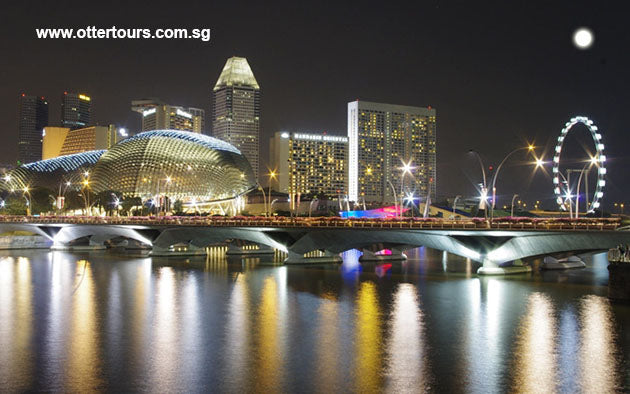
<point>529,148</point>
<point>457,197</point>
<point>28,200</point>
<point>512,209</point>
<point>264,197</point>
<point>593,161</point>
<point>406,169</point>
<point>395,198</point>
<point>272,175</point>
<point>484,185</point>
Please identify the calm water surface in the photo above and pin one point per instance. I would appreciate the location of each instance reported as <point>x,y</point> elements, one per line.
<point>103,321</point>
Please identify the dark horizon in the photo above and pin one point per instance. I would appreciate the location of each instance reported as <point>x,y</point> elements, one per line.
<point>499,75</point>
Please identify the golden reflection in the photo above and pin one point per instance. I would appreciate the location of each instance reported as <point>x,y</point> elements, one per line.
<point>599,369</point>
<point>166,333</point>
<point>269,362</point>
<point>327,346</point>
<point>84,362</point>
<point>15,322</point>
<point>406,367</point>
<point>368,342</point>
<point>238,335</point>
<point>535,365</point>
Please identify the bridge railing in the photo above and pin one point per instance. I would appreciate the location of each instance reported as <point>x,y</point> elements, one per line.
<point>585,224</point>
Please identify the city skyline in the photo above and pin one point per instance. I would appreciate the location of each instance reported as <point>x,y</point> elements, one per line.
<point>504,70</point>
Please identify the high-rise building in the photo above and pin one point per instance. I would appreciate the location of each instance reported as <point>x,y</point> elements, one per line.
<point>310,163</point>
<point>33,117</point>
<point>236,109</point>
<point>157,115</point>
<point>61,141</point>
<point>76,110</point>
<point>383,137</point>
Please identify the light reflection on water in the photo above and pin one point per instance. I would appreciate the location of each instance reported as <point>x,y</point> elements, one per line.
<point>101,322</point>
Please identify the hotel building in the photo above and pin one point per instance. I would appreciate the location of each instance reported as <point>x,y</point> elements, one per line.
<point>157,115</point>
<point>309,163</point>
<point>381,137</point>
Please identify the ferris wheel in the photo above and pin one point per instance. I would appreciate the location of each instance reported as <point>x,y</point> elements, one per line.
<point>563,197</point>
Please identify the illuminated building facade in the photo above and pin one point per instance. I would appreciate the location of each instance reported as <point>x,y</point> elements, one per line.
<point>76,110</point>
<point>191,167</point>
<point>32,117</point>
<point>310,163</point>
<point>197,169</point>
<point>61,141</point>
<point>157,115</point>
<point>380,138</point>
<point>236,109</point>
<point>51,173</point>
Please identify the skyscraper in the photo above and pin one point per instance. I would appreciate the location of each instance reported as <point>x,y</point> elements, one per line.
<point>310,163</point>
<point>76,110</point>
<point>381,138</point>
<point>236,109</point>
<point>33,117</point>
<point>157,115</point>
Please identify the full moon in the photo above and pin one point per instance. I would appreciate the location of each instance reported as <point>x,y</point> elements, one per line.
<point>583,38</point>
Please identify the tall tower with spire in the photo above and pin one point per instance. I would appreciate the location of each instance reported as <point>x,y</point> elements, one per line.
<point>236,109</point>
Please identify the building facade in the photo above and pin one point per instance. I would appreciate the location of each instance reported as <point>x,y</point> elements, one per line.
<point>236,109</point>
<point>32,118</point>
<point>157,115</point>
<point>76,110</point>
<point>61,141</point>
<point>381,137</point>
<point>308,163</point>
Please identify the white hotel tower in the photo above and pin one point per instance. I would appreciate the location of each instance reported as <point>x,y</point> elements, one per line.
<point>380,138</point>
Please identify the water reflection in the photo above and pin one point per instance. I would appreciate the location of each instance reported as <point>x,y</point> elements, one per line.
<point>15,321</point>
<point>71,323</point>
<point>599,369</point>
<point>535,356</point>
<point>406,354</point>
<point>165,372</point>
<point>368,342</point>
<point>269,358</point>
<point>328,345</point>
<point>84,362</point>
<point>237,333</point>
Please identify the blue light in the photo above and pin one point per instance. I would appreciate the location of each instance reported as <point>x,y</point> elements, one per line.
<point>66,163</point>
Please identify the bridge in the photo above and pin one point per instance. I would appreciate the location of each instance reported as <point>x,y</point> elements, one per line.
<point>490,242</point>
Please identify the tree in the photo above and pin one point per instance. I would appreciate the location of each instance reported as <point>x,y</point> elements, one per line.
<point>178,207</point>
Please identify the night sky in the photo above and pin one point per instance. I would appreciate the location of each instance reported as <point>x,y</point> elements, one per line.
<point>500,74</point>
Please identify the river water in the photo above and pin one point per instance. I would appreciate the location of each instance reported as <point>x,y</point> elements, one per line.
<point>106,321</point>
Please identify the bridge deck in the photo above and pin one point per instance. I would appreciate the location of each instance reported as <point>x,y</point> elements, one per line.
<point>538,224</point>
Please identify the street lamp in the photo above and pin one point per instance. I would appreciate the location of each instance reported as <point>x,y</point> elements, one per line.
<point>264,197</point>
<point>457,197</point>
<point>406,169</point>
<point>484,188</point>
<point>28,200</point>
<point>512,210</point>
<point>395,198</point>
<point>272,175</point>
<point>529,148</point>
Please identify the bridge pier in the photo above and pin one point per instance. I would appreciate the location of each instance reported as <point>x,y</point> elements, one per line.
<point>369,255</point>
<point>492,268</point>
<point>314,257</point>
